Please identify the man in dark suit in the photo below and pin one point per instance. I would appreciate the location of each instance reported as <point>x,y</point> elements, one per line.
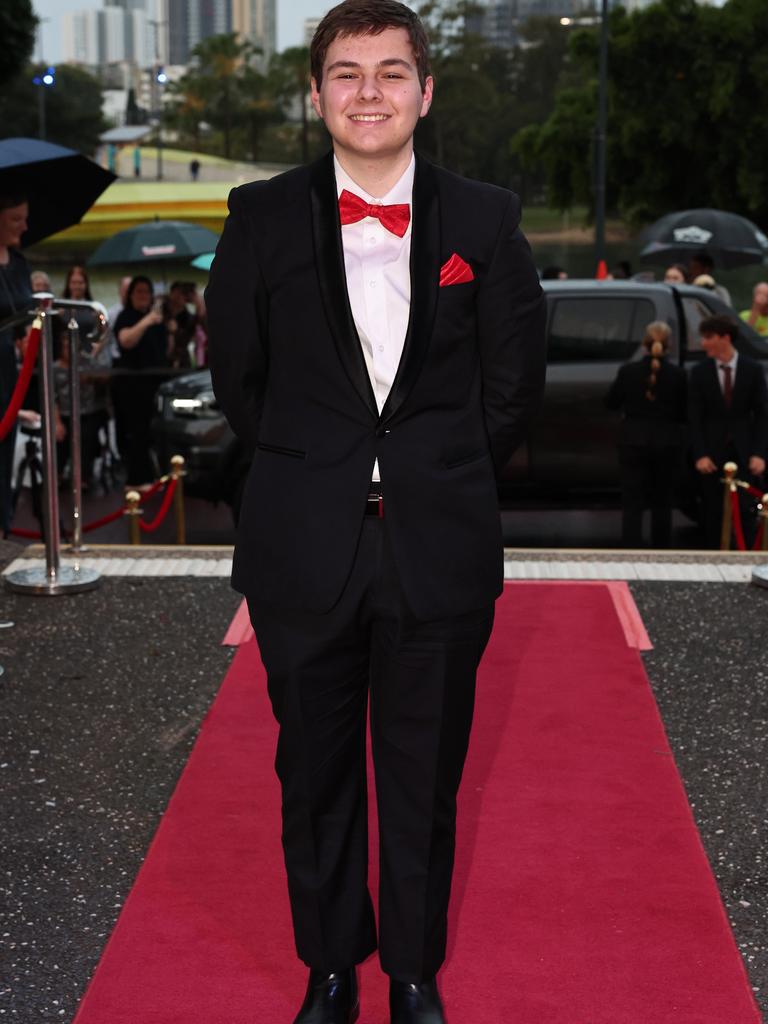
<point>376,331</point>
<point>728,415</point>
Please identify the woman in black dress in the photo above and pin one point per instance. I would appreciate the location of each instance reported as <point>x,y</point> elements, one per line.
<point>651,394</point>
<point>15,296</point>
<point>144,345</point>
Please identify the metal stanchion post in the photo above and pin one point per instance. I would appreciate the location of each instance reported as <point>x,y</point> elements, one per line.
<point>132,510</point>
<point>75,448</point>
<point>177,474</point>
<point>760,574</point>
<point>730,469</point>
<point>54,578</point>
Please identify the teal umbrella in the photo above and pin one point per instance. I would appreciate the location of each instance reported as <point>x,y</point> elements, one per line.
<point>157,241</point>
<point>204,261</point>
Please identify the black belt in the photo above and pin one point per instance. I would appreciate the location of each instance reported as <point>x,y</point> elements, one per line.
<point>374,505</point>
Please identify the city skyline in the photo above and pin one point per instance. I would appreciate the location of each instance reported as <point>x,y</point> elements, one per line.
<point>290,22</point>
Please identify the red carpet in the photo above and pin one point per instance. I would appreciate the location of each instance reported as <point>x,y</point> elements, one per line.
<point>581,885</point>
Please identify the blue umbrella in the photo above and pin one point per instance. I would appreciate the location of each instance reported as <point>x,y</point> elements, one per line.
<point>60,184</point>
<point>204,261</point>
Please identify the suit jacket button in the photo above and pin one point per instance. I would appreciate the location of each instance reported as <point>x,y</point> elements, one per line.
<point>382,432</point>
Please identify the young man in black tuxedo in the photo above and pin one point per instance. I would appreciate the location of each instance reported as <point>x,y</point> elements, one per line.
<point>377,332</point>
<point>728,414</point>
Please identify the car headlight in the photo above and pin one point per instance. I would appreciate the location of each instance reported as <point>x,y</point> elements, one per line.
<point>201,406</point>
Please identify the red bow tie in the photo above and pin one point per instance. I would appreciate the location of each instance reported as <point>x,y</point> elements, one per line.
<point>395,218</point>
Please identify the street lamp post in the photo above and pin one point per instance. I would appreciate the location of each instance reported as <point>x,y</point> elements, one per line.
<point>45,80</point>
<point>600,136</point>
<point>159,79</point>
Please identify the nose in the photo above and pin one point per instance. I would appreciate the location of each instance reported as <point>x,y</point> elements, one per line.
<point>369,88</point>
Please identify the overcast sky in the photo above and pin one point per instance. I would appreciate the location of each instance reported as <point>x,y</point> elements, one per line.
<point>290,21</point>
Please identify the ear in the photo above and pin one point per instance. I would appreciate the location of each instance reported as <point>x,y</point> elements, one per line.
<point>314,95</point>
<point>426,100</point>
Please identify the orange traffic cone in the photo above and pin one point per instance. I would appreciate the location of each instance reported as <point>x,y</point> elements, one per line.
<point>602,271</point>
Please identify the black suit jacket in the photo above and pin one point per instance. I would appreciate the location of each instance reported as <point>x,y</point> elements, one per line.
<point>646,423</point>
<point>290,375</point>
<point>714,427</point>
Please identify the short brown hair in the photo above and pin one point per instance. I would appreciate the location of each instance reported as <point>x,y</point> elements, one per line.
<point>719,324</point>
<point>369,18</point>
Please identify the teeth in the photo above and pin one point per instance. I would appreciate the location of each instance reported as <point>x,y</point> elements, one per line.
<point>369,117</point>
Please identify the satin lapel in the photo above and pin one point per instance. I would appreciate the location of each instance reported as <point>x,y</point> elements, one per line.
<point>425,280</point>
<point>329,259</point>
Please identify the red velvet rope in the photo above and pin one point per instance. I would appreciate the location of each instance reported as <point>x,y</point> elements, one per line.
<point>17,531</point>
<point>22,383</point>
<point>737,527</point>
<point>753,491</point>
<point>112,517</point>
<point>162,511</point>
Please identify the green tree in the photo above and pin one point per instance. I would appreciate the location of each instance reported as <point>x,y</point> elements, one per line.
<point>17,31</point>
<point>683,130</point>
<point>290,84</point>
<point>73,107</point>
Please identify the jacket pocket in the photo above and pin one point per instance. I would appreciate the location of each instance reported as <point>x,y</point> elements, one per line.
<point>465,460</point>
<point>277,449</point>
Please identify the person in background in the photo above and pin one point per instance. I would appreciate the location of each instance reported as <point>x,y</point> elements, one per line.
<point>113,313</point>
<point>137,161</point>
<point>621,271</point>
<point>728,417</point>
<point>185,318</point>
<point>194,169</point>
<point>702,263</point>
<point>145,345</point>
<point>676,274</point>
<point>94,367</point>
<point>40,281</point>
<point>651,395</point>
<point>757,315</point>
<point>15,296</point>
<point>554,273</point>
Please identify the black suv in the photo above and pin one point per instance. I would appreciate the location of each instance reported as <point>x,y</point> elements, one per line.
<point>592,327</point>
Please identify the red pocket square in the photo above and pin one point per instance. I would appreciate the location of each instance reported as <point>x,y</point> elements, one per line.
<point>455,271</point>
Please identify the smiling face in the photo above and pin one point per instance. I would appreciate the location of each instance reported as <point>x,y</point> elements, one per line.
<point>13,224</point>
<point>77,284</point>
<point>370,97</point>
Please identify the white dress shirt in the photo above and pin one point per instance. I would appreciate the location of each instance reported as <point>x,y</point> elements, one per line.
<point>377,264</point>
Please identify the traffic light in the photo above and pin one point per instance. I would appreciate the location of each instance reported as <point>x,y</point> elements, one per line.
<point>161,76</point>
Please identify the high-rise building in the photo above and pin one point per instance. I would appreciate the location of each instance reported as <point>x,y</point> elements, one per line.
<point>191,21</point>
<point>310,27</point>
<point>112,35</point>
<point>499,21</point>
<point>256,21</point>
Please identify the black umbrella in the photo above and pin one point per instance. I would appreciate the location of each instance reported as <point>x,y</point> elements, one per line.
<point>731,240</point>
<point>60,184</point>
<point>157,241</point>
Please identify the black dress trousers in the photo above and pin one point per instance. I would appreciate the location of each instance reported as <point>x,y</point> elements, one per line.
<point>421,679</point>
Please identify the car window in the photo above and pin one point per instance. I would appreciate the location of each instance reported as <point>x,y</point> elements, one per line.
<point>695,310</point>
<point>597,329</point>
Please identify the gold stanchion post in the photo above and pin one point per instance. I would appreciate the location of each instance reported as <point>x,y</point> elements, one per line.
<point>177,474</point>
<point>132,510</point>
<point>730,469</point>
<point>764,520</point>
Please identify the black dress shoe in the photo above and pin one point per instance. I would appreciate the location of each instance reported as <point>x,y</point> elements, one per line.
<point>415,1004</point>
<point>330,999</point>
